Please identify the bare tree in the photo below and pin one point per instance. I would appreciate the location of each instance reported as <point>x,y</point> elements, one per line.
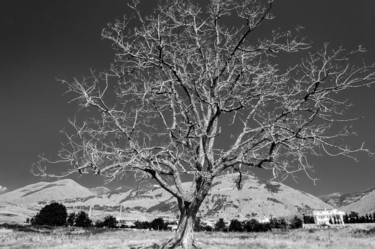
<point>182,74</point>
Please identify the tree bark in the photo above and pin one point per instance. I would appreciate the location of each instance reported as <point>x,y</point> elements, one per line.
<point>184,235</point>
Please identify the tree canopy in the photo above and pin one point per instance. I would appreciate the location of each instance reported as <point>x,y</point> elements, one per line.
<point>53,214</point>
<point>185,78</point>
<point>82,219</point>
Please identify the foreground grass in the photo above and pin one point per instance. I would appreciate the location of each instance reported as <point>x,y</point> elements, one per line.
<point>98,239</point>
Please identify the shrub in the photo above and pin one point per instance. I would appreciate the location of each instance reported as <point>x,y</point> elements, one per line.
<point>278,223</point>
<point>235,226</point>
<point>53,214</point>
<point>254,226</point>
<point>82,220</point>
<point>99,223</point>
<point>309,219</point>
<point>295,223</point>
<point>110,221</point>
<point>157,224</point>
<point>142,225</point>
<point>251,225</point>
<point>220,225</point>
<point>71,219</point>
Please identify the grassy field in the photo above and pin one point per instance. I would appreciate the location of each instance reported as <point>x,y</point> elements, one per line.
<point>95,239</point>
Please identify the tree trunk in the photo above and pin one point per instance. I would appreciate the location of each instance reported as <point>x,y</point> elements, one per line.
<point>184,234</point>
<point>183,237</point>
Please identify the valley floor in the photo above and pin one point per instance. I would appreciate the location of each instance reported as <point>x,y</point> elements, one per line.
<point>93,239</point>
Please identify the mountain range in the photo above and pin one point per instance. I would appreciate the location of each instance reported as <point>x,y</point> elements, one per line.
<point>255,199</point>
<point>362,202</point>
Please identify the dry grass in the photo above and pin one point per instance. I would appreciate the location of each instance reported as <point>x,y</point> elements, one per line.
<point>85,239</point>
<point>335,239</point>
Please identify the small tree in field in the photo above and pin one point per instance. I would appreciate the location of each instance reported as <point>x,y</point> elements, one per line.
<point>235,226</point>
<point>295,223</point>
<point>158,224</point>
<point>82,220</point>
<point>71,219</point>
<point>53,214</point>
<point>220,225</point>
<point>252,225</point>
<point>185,79</point>
<point>110,221</point>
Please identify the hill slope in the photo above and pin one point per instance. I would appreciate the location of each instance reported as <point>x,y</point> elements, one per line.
<point>363,205</point>
<point>361,201</point>
<point>42,192</point>
<point>257,198</point>
<point>338,200</point>
<point>13,213</point>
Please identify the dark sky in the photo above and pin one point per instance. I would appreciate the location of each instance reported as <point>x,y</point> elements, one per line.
<point>42,40</point>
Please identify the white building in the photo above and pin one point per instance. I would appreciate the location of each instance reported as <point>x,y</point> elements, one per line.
<point>210,222</point>
<point>264,220</point>
<point>130,221</point>
<point>325,216</point>
<point>172,227</point>
<point>126,221</point>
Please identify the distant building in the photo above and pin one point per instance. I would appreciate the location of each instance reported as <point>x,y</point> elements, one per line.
<point>328,216</point>
<point>211,222</point>
<point>208,222</point>
<point>264,220</point>
<point>172,227</point>
<point>130,221</point>
<point>126,221</point>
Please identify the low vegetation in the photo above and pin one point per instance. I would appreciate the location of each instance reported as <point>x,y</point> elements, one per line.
<point>96,238</point>
<point>77,231</point>
<point>109,221</point>
<point>53,214</point>
<point>82,220</point>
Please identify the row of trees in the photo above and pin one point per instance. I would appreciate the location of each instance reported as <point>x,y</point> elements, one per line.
<point>156,224</point>
<point>354,217</point>
<point>55,214</point>
<point>235,225</point>
<point>81,219</point>
<point>254,225</point>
